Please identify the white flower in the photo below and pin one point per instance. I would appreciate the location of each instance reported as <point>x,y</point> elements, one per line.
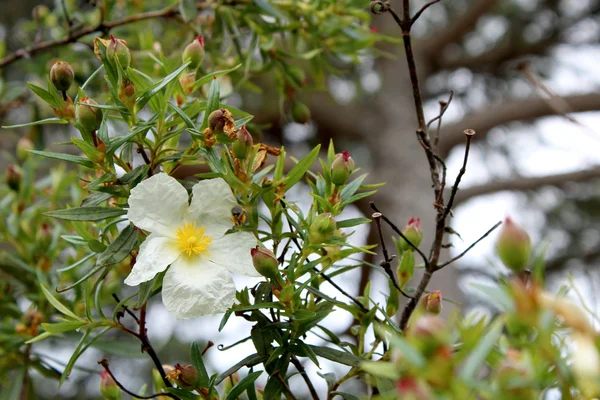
<point>191,238</point>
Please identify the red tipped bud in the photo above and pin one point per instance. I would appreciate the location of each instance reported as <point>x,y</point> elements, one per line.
<point>243,145</point>
<point>341,168</point>
<point>322,228</point>
<point>432,302</point>
<point>300,113</point>
<point>513,246</point>
<point>61,76</point>
<point>88,117</point>
<point>108,387</point>
<point>413,233</point>
<point>412,389</point>
<point>117,50</point>
<point>265,262</point>
<point>23,146</point>
<point>13,177</point>
<point>194,53</point>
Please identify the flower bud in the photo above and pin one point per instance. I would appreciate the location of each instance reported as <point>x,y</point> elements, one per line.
<point>432,302</point>
<point>413,233</point>
<point>23,146</point>
<point>187,376</point>
<point>341,168</point>
<point>265,262</point>
<point>117,50</point>
<point>322,228</point>
<point>187,82</point>
<point>88,117</point>
<point>513,246</point>
<point>126,94</point>
<point>300,113</point>
<point>412,389</point>
<point>426,326</point>
<point>194,53</point>
<point>243,145</point>
<point>13,177</point>
<point>108,387</point>
<point>217,120</point>
<point>61,75</point>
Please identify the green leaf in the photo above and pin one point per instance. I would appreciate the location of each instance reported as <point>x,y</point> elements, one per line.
<point>15,385</point>
<point>144,293</point>
<point>63,326</point>
<point>245,384</point>
<point>76,354</point>
<point>145,98</point>
<point>42,93</point>
<point>210,77</point>
<point>65,157</point>
<point>181,394</point>
<point>86,213</point>
<point>338,356</point>
<point>412,355</point>
<point>347,223</point>
<point>213,102</point>
<point>381,369</point>
<point>298,171</point>
<point>57,304</point>
<point>39,337</point>
<point>198,362</point>
<point>188,122</point>
<point>268,8</point>
<point>477,357</point>
<point>119,248</point>
<point>249,362</point>
<point>188,10</point>
<point>41,122</point>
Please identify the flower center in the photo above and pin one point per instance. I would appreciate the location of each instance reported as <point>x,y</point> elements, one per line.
<point>192,239</point>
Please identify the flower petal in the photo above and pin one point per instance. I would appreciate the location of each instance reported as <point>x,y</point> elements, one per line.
<point>233,253</point>
<point>212,200</point>
<point>156,253</point>
<point>197,287</point>
<point>158,205</point>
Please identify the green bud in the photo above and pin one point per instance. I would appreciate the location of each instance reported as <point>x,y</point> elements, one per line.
<point>300,113</point>
<point>108,387</point>
<point>23,146</point>
<point>413,233</point>
<point>61,75</point>
<point>187,376</point>
<point>117,49</point>
<point>243,145</point>
<point>194,53</point>
<point>88,117</point>
<point>322,228</point>
<point>296,75</point>
<point>513,246</point>
<point>265,262</point>
<point>341,168</point>
<point>432,302</point>
<point>13,177</point>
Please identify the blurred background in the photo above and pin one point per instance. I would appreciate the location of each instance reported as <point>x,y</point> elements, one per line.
<point>524,75</point>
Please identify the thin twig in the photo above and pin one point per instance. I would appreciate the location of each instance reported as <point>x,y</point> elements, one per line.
<point>309,384</point>
<point>470,247</point>
<point>342,291</point>
<point>425,7</point>
<point>444,105</point>
<point>386,263</point>
<point>399,232</point>
<point>104,363</point>
<point>469,133</point>
<point>66,15</point>
<point>285,385</point>
<point>126,309</point>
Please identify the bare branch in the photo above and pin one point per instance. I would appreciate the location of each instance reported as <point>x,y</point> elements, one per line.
<point>512,110</point>
<point>493,228</point>
<point>525,184</point>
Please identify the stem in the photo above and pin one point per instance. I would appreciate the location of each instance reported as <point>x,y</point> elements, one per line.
<point>300,368</point>
<point>412,304</point>
<point>104,363</point>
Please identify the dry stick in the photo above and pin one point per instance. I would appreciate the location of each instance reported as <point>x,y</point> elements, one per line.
<point>385,264</point>
<point>444,105</point>
<point>475,243</point>
<point>425,7</point>
<point>104,363</point>
<point>307,380</point>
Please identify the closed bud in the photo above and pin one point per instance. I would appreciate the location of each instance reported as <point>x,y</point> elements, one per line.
<point>426,326</point>
<point>187,376</point>
<point>265,262</point>
<point>322,228</point>
<point>217,120</point>
<point>61,75</point>
<point>410,388</point>
<point>13,177</point>
<point>187,82</point>
<point>300,113</point>
<point>23,146</point>
<point>413,233</point>
<point>432,302</point>
<point>341,168</point>
<point>243,145</point>
<point>194,53</point>
<point>108,387</point>
<point>126,93</point>
<point>513,246</point>
<point>118,50</point>
<point>88,117</point>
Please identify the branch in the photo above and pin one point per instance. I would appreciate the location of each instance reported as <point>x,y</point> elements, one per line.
<point>512,110</point>
<point>475,243</point>
<point>525,184</point>
<point>104,363</point>
<point>462,25</point>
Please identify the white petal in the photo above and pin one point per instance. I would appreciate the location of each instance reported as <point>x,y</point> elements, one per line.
<point>156,253</point>
<point>212,200</point>
<point>233,253</point>
<point>158,205</point>
<point>197,287</point>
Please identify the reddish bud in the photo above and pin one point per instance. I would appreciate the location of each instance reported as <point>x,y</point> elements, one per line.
<point>432,302</point>
<point>194,53</point>
<point>187,376</point>
<point>513,246</point>
<point>118,50</point>
<point>413,233</point>
<point>243,145</point>
<point>108,387</point>
<point>412,389</point>
<point>61,75</point>
<point>13,177</point>
<point>265,262</point>
<point>341,168</point>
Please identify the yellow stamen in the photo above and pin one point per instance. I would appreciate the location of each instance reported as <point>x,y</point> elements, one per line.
<point>192,239</point>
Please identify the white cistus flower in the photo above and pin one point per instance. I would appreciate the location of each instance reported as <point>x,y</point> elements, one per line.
<point>190,237</point>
